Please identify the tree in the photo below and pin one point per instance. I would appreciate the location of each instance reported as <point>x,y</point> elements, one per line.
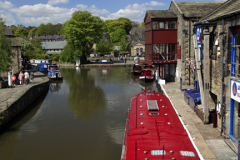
<point>26,48</point>
<point>36,43</point>
<point>49,29</point>
<point>5,50</point>
<point>135,24</point>
<point>67,55</point>
<point>124,46</point>
<point>32,32</point>
<point>21,32</point>
<point>13,28</point>
<point>41,30</point>
<point>83,30</point>
<point>104,47</point>
<point>117,35</point>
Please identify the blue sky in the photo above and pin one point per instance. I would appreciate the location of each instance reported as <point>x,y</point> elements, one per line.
<point>34,12</point>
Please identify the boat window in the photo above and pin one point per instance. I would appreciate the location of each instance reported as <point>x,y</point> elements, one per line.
<point>158,152</point>
<point>137,68</point>
<point>153,113</point>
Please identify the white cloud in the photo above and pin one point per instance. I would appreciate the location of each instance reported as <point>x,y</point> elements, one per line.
<point>93,9</point>
<point>7,17</point>
<point>54,2</point>
<point>135,11</point>
<point>6,4</point>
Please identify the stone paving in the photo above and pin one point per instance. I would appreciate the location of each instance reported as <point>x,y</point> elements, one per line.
<point>206,138</point>
<point>10,95</point>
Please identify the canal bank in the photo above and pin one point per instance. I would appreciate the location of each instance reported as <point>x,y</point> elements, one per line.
<point>207,139</point>
<point>14,100</point>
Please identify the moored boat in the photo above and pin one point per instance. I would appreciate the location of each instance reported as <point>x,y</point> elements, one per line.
<point>137,69</point>
<point>147,75</point>
<point>54,73</point>
<point>154,131</point>
<point>105,61</point>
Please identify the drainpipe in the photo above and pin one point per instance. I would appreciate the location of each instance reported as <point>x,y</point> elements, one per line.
<point>222,76</point>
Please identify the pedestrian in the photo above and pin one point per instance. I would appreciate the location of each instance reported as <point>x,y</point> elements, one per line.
<point>26,75</point>
<point>13,78</point>
<point>31,76</point>
<point>21,78</point>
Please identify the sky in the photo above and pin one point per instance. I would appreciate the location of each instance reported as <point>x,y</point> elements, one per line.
<point>35,12</point>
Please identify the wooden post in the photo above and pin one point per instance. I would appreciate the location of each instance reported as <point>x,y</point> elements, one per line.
<point>206,75</point>
<point>198,69</point>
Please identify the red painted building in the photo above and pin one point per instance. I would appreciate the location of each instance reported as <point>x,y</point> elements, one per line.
<point>160,37</point>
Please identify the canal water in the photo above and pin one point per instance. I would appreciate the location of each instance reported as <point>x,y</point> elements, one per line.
<point>82,117</point>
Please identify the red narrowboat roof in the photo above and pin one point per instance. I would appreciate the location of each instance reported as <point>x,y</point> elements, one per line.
<point>154,130</point>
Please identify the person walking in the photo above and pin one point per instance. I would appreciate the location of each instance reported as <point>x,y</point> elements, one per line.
<point>13,78</point>
<point>21,78</point>
<point>31,76</point>
<point>26,75</point>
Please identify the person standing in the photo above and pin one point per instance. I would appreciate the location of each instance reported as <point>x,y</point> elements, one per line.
<point>21,78</point>
<point>13,78</point>
<point>26,75</point>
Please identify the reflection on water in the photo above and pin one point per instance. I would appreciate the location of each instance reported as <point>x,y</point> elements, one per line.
<point>82,117</point>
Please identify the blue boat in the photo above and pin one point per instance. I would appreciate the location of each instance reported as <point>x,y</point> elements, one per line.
<point>42,67</point>
<point>54,73</point>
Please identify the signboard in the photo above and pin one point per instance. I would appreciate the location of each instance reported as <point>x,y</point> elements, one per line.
<point>235,90</point>
<point>198,35</point>
<point>178,51</point>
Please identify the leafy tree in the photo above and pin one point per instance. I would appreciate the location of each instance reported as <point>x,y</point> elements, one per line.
<point>117,35</point>
<point>21,32</point>
<point>41,30</point>
<point>135,24</point>
<point>5,50</point>
<point>124,46</point>
<point>49,29</point>
<point>120,23</point>
<point>104,47</point>
<point>41,56</point>
<point>67,55</point>
<point>83,30</point>
<point>142,24</point>
<point>32,32</point>
<point>26,46</point>
<point>13,28</point>
<point>36,43</point>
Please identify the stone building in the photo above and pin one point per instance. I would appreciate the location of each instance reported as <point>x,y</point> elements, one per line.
<point>220,48</point>
<point>48,38</point>
<point>188,13</point>
<point>137,48</point>
<point>51,48</point>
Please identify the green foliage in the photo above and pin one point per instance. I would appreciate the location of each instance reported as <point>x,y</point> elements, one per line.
<point>117,35</point>
<point>142,24</point>
<point>41,56</point>
<point>41,30</point>
<point>67,55</point>
<point>13,28</point>
<point>124,46</point>
<point>120,23</point>
<point>26,46</point>
<point>48,29</point>
<point>104,47</point>
<point>32,32</point>
<point>83,30</point>
<point>5,50</point>
<point>21,32</point>
<point>55,57</point>
<point>36,43</point>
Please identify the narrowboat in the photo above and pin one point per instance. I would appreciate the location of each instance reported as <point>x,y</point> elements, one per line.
<point>42,67</point>
<point>147,75</point>
<point>137,69</point>
<point>105,61</point>
<point>54,73</point>
<point>154,131</point>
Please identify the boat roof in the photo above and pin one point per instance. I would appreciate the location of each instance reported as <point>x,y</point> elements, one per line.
<point>155,130</point>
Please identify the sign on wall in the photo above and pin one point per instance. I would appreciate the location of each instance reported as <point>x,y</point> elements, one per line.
<point>235,90</point>
<point>198,34</point>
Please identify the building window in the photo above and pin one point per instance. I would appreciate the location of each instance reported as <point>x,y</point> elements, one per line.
<point>167,25</point>
<point>141,51</point>
<point>155,25</point>
<point>173,48</point>
<point>161,48</point>
<point>167,48</point>
<point>137,51</point>
<point>155,48</point>
<point>173,25</point>
<point>161,25</point>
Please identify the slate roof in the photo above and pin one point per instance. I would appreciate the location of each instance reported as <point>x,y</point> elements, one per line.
<point>53,45</point>
<point>195,9</point>
<point>226,9</point>
<point>8,32</point>
<point>136,42</point>
<point>51,37</point>
<point>161,14</point>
